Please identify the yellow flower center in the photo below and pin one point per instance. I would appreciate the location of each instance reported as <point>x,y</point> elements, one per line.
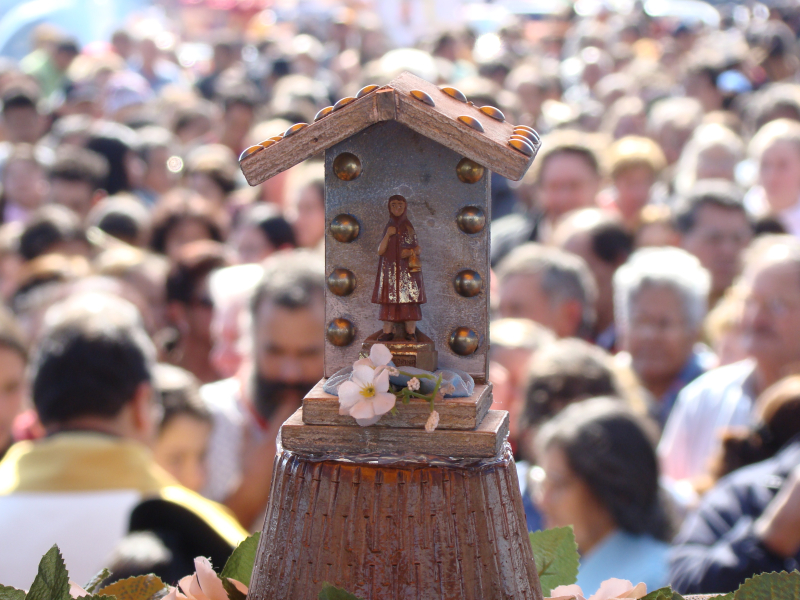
<point>368,391</point>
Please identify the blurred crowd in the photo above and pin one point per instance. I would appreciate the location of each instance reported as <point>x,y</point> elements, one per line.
<point>162,319</point>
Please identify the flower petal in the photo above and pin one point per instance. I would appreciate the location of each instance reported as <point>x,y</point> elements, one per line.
<point>379,354</point>
<point>77,591</point>
<point>640,591</point>
<point>239,586</point>
<point>383,402</point>
<point>381,382</point>
<point>363,362</point>
<point>185,584</point>
<point>362,375</point>
<point>349,394</point>
<point>208,580</point>
<point>567,591</point>
<point>362,410</point>
<point>195,591</point>
<point>612,588</point>
<point>173,595</point>
<point>368,422</point>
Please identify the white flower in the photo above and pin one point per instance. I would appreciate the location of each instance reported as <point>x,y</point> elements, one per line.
<point>379,356</point>
<point>413,384</point>
<point>433,422</point>
<point>366,396</point>
<point>393,372</point>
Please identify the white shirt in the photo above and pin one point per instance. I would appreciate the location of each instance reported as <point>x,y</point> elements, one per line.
<point>720,399</point>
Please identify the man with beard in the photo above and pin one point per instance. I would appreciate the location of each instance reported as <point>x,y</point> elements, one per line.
<point>725,397</point>
<point>288,314</point>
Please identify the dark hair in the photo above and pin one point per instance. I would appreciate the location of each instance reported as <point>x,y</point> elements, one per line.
<point>179,394</point>
<point>611,451</point>
<point>11,336</point>
<point>182,205</point>
<point>48,226</point>
<point>20,97</point>
<point>268,219</point>
<point>114,142</point>
<point>611,241</point>
<point>292,279</point>
<point>195,262</point>
<point>120,216</point>
<point>79,164</point>
<point>563,372</point>
<point>707,192</point>
<point>151,138</point>
<point>567,142</point>
<point>91,361</point>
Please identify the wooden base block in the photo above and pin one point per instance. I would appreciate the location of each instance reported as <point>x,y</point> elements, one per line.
<point>484,441</point>
<point>395,532</point>
<point>321,408</point>
<point>420,354</point>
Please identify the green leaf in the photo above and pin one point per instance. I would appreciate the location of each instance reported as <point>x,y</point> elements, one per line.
<point>240,564</point>
<point>677,596</point>
<point>52,580</point>
<point>95,581</point>
<point>329,592</point>
<point>556,556</point>
<point>10,593</point>
<point>770,586</point>
<point>664,593</point>
<point>232,591</point>
<point>142,587</point>
<point>721,597</point>
<point>96,597</point>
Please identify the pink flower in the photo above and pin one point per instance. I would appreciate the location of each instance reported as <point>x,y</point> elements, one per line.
<point>610,589</point>
<point>203,585</point>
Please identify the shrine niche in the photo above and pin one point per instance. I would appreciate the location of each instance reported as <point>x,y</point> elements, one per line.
<point>395,479</point>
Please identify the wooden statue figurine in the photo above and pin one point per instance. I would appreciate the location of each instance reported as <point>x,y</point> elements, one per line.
<point>398,286</point>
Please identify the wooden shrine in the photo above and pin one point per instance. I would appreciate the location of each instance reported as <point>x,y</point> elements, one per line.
<point>392,510</point>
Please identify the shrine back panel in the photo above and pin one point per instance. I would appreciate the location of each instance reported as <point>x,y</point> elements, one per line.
<point>450,217</point>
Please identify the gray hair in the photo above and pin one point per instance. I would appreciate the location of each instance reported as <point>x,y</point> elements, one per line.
<point>564,276</point>
<point>669,267</point>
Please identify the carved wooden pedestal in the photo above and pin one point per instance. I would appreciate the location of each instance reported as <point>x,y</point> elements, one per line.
<point>401,531</point>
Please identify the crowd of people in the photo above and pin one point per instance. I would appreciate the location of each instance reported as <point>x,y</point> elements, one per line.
<point>162,319</point>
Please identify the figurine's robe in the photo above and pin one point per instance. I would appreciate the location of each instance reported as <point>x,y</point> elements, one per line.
<point>398,290</point>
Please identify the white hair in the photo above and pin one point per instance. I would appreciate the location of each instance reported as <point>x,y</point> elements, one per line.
<point>668,267</point>
<point>231,289</point>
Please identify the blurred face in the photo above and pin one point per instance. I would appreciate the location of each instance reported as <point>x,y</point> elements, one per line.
<point>22,125</point>
<point>12,391</point>
<point>226,356</point>
<point>397,207</point>
<point>771,319</point>
<point>181,450</point>
<point>521,297</point>
<point>633,190</point>
<point>24,184</point>
<point>289,346</point>
<point>566,183</point>
<point>718,239</point>
<point>78,196</point>
<point>659,338</point>
<point>307,217</point>
<point>779,172</point>
<point>185,232</point>
<point>157,176</point>
<point>565,499</point>
<point>199,313</point>
<point>251,245</point>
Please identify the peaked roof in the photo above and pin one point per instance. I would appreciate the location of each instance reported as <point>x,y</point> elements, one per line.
<point>443,116</point>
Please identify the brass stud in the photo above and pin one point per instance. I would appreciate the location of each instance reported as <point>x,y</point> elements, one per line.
<point>294,129</point>
<point>454,93</point>
<point>471,219</point>
<point>343,102</point>
<point>366,90</point>
<point>341,282</point>
<point>471,122</point>
<point>251,150</point>
<point>323,113</point>
<point>468,283</point>
<point>469,171</point>
<point>344,228</point>
<point>463,341</point>
<point>277,138</point>
<point>340,332</point>
<point>422,97</point>
<point>526,128</point>
<point>347,166</point>
<point>493,112</point>
<point>520,143</point>
<point>267,143</point>
<point>532,139</point>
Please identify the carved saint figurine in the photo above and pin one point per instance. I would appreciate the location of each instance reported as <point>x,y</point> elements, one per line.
<point>398,285</point>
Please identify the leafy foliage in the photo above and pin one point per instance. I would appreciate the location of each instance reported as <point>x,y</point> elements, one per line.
<point>556,554</point>
<point>142,587</point>
<point>95,581</point>
<point>329,592</point>
<point>770,586</point>
<point>10,593</point>
<point>240,564</point>
<point>52,580</point>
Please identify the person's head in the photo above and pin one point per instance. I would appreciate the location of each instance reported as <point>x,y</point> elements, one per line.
<point>712,153</point>
<point>53,229</point>
<point>700,81</point>
<point>656,227</point>
<point>156,147</point>
<point>189,302</point>
<point>123,217</point>
<point>771,317</point>
<point>116,143</point>
<point>22,122</point>
<point>92,368</point>
<point>601,474</point>
<point>661,299</point>
<point>182,217</point>
<point>185,427</point>
<point>549,286</point>
<point>604,242</point>
<point>261,230</point>
<point>634,165</point>
<point>24,182</point>
<point>723,328</point>
<point>306,213</point>
<point>211,172</point>
<point>231,290</point>
<point>671,123</point>
<point>776,148</point>
<point>715,227</point>
<point>288,316</point>
<point>568,174</point>
<point>13,361</point>
<point>76,179</point>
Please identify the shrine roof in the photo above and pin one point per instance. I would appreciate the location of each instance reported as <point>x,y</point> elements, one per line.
<point>443,115</point>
